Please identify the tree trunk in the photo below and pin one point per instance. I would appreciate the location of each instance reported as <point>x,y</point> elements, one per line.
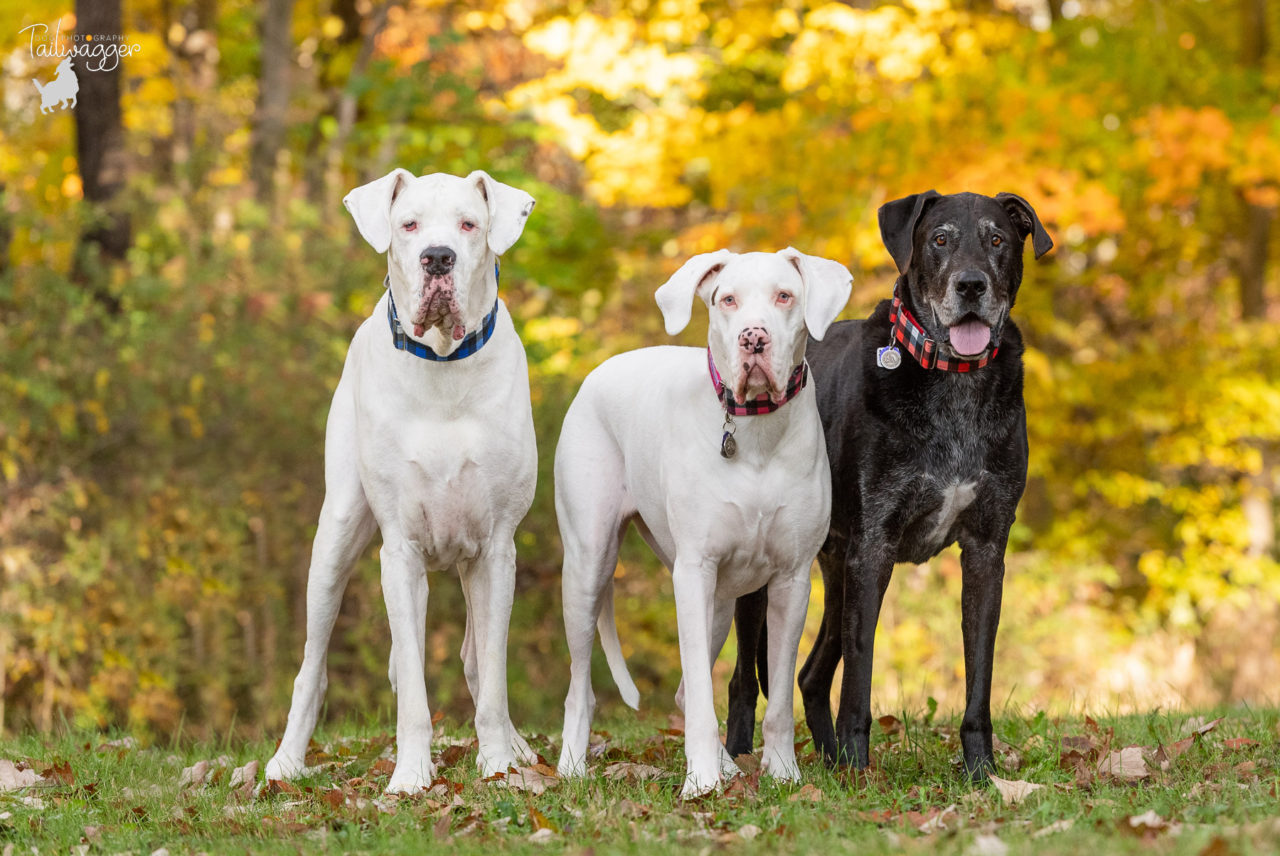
<point>100,145</point>
<point>273,96</point>
<point>1055,11</point>
<point>1253,261</point>
<point>1253,44</point>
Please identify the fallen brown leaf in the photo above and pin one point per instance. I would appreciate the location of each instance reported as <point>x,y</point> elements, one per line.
<point>1197,726</point>
<point>528,780</point>
<point>890,724</point>
<point>632,772</point>
<point>807,792</point>
<point>13,777</point>
<point>1128,764</point>
<point>1015,791</point>
<point>60,772</point>
<point>1237,743</point>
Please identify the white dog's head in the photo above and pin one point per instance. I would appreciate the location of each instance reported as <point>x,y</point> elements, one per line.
<point>761,307</point>
<point>441,234</point>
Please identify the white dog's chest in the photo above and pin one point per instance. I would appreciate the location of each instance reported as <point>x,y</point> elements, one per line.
<point>448,485</point>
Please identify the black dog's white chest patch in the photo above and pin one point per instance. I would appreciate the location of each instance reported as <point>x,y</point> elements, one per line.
<point>956,497</point>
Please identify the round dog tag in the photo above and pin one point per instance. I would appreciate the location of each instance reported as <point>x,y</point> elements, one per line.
<point>728,446</point>
<point>888,357</point>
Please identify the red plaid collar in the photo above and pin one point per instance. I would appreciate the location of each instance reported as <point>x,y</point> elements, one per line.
<point>761,403</point>
<point>907,330</point>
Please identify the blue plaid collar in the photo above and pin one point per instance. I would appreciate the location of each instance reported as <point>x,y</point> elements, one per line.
<point>472,342</point>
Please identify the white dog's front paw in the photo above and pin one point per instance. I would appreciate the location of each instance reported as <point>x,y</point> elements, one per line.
<point>496,759</point>
<point>781,765</point>
<point>521,749</point>
<point>411,779</point>
<point>282,767</point>
<point>700,782</point>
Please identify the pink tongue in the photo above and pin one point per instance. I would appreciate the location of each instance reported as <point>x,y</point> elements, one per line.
<point>458,331</point>
<point>419,329</point>
<point>970,338</point>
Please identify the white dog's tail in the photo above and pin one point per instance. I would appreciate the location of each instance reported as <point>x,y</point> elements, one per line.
<point>607,627</point>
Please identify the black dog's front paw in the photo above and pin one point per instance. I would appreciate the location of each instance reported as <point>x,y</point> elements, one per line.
<point>979,759</point>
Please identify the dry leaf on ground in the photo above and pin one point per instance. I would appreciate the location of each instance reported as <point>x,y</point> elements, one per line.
<point>1127,763</point>
<point>1198,725</point>
<point>1055,827</point>
<point>987,845</point>
<point>633,772</point>
<point>1014,791</point>
<point>808,792</point>
<point>12,778</point>
<point>530,780</point>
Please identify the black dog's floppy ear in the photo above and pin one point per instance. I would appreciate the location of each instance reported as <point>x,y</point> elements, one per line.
<point>898,221</point>
<point>1028,223</point>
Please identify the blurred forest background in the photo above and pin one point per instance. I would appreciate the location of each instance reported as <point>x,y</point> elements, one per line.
<point>179,282</point>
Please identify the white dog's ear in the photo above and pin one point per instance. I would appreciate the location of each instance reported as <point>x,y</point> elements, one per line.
<point>370,205</point>
<point>675,296</point>
<point>827,285</point>
<point>509,209</point>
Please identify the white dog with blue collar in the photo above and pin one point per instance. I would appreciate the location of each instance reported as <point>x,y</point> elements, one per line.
<point>430,440</point>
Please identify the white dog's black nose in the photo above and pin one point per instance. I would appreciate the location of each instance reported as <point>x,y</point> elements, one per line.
<point>438,260</point>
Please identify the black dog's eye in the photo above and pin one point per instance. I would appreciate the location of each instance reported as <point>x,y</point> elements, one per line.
<point>997,241</point>
<point>941,240</point>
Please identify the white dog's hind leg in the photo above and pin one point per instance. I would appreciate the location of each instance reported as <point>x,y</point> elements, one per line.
<point>788,603</point>
<point>404,588</point>
<point>589,506</point>
<point>721,622</point>
<point>345,527</point>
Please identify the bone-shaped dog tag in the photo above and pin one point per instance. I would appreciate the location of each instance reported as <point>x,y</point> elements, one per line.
<point>888,357</point>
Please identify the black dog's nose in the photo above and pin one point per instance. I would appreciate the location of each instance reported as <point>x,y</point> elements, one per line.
<point>753,340</point>
<point>971,284</point>
<point>438,260</point>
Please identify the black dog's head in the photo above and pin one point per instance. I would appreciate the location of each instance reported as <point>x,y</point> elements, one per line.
<point>960,258</point>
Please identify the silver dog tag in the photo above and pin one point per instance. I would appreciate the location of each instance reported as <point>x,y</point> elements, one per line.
<point>728,446</point>
<point>888,357</point>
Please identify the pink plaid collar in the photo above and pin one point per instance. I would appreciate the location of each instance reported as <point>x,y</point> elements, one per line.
<point>761,403</point>
<point>907,330</point>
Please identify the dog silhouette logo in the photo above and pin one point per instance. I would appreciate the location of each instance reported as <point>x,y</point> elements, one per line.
<point>56,94</point>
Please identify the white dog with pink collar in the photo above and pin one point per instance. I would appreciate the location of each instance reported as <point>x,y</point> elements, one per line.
<point>729,487</point>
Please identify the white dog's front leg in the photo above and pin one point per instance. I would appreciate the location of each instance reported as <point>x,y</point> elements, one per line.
<point>694,581</point>
<point>788,603</point>
<point>490,581</point>
<point>404,587</point>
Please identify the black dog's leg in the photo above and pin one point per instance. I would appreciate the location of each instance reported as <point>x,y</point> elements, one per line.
<point>982,565</point>
<point>867,578</point>
<point>749,624</point>
<point>819,667</point>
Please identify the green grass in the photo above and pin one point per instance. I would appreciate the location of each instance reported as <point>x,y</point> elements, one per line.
<point>1218,796</point>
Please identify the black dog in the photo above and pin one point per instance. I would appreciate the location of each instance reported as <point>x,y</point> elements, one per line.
<point>927,439</point>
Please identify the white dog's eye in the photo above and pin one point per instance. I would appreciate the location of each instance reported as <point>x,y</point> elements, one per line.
<point>784,298</point>
<point>411,225</point>
<point>728,300</point>
<point>467,225</point>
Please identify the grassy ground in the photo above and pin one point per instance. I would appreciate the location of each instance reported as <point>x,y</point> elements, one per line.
<point>1194,786</point>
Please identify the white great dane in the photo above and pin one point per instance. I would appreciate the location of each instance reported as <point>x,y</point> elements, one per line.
<point>728,501</point>
<point>430,440</point>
